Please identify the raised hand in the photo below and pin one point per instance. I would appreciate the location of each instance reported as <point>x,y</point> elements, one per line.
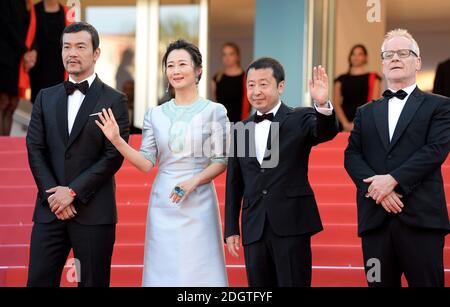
<point>109,125</point>
<point>318,86</point>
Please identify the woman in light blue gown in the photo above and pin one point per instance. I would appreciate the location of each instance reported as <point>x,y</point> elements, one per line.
<point>188,137</point>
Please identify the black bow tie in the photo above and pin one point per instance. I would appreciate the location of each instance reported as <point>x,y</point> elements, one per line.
<point>260,118</point>
<point>401,94</point>
<point>72,87</point>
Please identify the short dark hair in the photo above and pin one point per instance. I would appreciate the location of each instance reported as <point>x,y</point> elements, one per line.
<point>190,48</point>
<point>263,63</point>
<point>83,26</point>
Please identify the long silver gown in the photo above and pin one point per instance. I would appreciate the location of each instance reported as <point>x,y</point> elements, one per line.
<point>184,243</point>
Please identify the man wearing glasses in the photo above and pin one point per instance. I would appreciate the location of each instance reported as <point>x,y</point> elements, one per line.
<point>394,157</point>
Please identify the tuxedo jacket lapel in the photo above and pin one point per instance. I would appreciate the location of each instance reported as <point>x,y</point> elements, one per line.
<point>279,118</point>
<point>86,108</point>
<point>61,114</point>
<point>381,115</point>
<point>409,110</point>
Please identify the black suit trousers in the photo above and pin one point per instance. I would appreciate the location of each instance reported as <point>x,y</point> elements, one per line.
<point>279,261</point>
<point>51,243</point>
<point>416,252</point>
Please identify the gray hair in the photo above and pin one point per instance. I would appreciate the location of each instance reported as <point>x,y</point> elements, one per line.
<point>401,33</point>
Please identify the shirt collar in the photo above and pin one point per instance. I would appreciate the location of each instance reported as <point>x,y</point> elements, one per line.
<point>89,79</point>
<point>274,109</point>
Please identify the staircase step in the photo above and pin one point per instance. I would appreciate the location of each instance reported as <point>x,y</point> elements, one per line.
<point>12,143</point>
<point>121,276</point>
<point>337,255</point>
<point>137,213</point>
<point>135,233</point>
<point>325,193</point>
<point>133,254</point>
<point>132,277</point>
<point>13,159</point>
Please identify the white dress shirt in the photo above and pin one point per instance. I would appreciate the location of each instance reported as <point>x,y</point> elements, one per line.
<point>262,129</point>
<point>395,107</point>
<point>74,102</point>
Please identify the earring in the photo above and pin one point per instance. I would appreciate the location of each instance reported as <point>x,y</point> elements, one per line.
<point>168,87</point>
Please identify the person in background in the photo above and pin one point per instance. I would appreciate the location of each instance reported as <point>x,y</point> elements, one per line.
<point>229,85</point>
<point>442,79</point>
<point>355,88</point>
<point>125,84</point>
<point>48,68</point>
<point>14,21</point>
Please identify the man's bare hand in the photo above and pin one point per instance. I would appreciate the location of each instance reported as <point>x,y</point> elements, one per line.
<point>380,186</point>
<point>392,203</point>
<point>68,213</point>
<point>233,245</point>
<point>60,200</point>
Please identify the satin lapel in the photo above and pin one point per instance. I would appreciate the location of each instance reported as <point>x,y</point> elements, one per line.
<point>381,116</point>
<point>61,114</point>
<point>86,108</point>
<point>409,110</point>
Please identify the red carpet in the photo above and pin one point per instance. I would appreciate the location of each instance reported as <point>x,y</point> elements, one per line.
<point>337,256</point>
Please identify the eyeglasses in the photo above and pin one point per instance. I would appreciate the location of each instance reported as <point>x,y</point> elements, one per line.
<point>402,53</point>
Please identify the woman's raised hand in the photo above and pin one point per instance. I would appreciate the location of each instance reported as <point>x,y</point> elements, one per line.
<point>108,125</point>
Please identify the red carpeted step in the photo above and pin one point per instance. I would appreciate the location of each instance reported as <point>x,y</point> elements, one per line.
<point>325,193</point>
<point>13,159</point>
<point>16,177</point>
<point>337,245</point>
<point>15,214</point>
<point>12,143</point>
<point>317,174</point>
<point>137,213</point>
<point>121,276</point>
<point>326,156</point>
<point>134,233</point>
<point>129,175</point>
<point>132,277</point>
<point>333,277</point>
<point>133,254</point>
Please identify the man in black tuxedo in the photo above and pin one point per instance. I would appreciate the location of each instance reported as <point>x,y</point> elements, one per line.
<point>73,165</point>
<point>279,211</point>
<point>394,157</point>
<point>442,79</point>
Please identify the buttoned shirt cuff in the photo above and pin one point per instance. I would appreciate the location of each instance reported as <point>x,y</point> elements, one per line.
<point>325,110</point>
